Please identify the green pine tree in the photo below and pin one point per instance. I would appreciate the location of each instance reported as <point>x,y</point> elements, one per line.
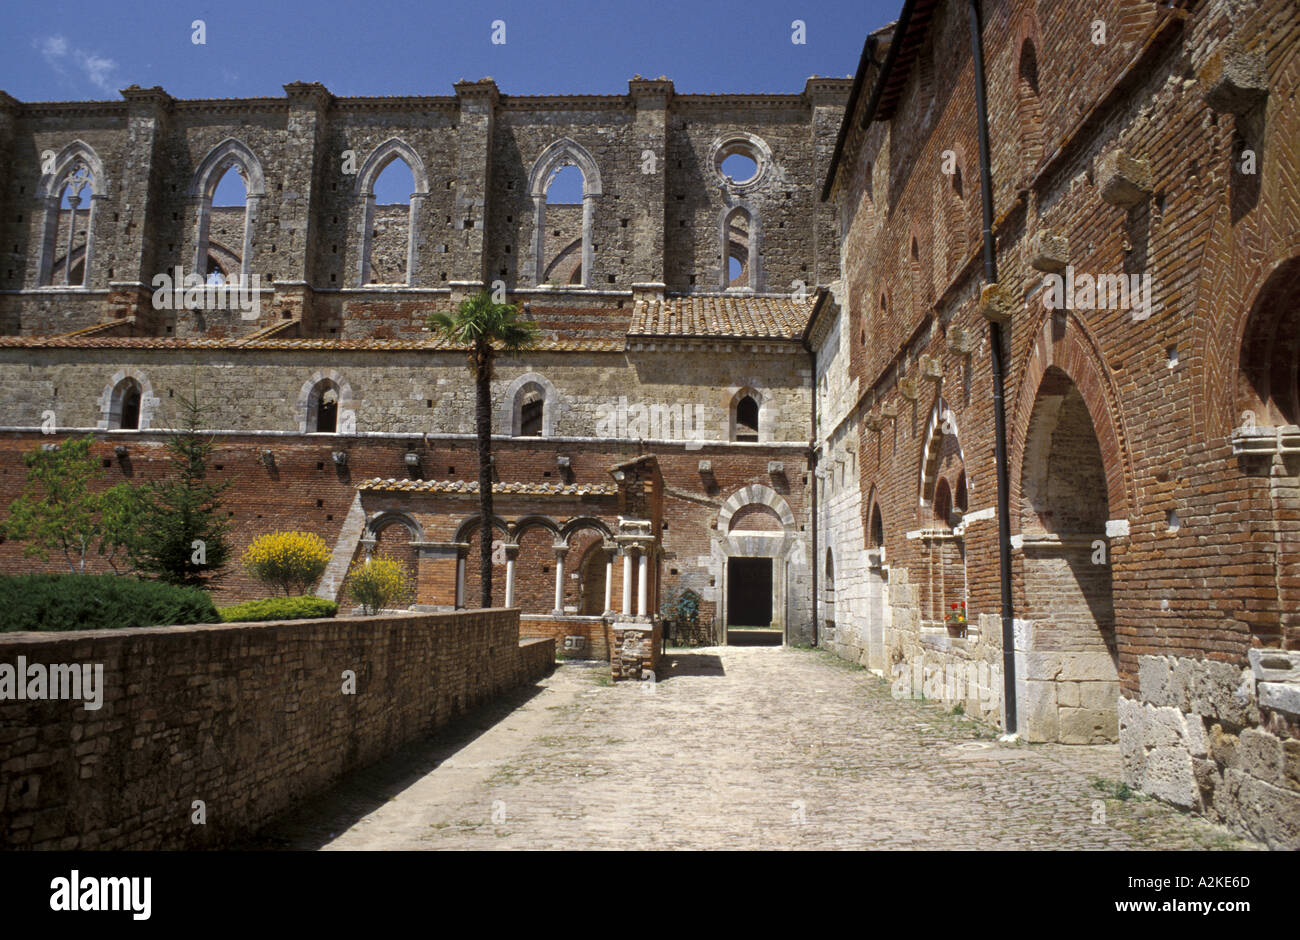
<point>180,536</point>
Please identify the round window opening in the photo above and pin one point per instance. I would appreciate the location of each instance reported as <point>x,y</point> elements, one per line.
<point>739,167</point>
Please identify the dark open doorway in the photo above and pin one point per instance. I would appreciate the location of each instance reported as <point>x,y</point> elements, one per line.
<point>749,602</point>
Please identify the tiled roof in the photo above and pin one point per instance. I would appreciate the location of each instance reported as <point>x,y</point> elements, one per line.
<point>745,316</point>
<point>235,342</point>
<point>470,488</point>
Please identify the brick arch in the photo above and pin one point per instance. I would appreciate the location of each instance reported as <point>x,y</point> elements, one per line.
<point>470,526</point>
<point>874,505</point>
<point>525,524</point>
<point>1075,353</point>
<point>1231,292</point>
<point>932,453</point>
<point>384,518</point>
<point>579,523</point>
<point>1270,349</point>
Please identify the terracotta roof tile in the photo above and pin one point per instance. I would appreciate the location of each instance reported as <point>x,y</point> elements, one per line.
<point>235,342</point>
<point>745,316</point>
<point>470,488</point>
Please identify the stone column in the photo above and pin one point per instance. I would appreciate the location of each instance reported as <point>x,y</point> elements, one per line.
<point>510,577</point>
<point>642,582</point>
<point>609,582</point>
<point>460,582</point>
<point>627,581</point>
<point>559,581</point>
<point>73,201</point>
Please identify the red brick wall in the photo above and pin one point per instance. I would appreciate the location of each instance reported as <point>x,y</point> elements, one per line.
<point>303,489</point>
<point>596,633</point>
<point>1222,581</point>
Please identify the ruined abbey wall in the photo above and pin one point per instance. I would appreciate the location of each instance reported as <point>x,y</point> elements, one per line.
<point>1151,531</point>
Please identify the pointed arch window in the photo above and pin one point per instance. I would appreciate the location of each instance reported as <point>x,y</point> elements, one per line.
<point>1028,107</point>
<point>551,180</point>
<point>739,249</point>
<point>71,192</point>
<point>213,215</point>
<point>391,167</point>
<point>529,417</point>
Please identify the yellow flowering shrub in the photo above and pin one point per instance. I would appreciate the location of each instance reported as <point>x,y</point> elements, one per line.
<point>378,582</point>
<point>292,561</point>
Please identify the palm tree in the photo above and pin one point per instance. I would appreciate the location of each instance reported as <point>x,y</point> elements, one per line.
<point>486,328</point>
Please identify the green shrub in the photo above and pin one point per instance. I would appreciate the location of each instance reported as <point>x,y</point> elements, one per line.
<point>279,608</point>
<point>97,602</point>
<point>378,582</point>
<point>287,560</point>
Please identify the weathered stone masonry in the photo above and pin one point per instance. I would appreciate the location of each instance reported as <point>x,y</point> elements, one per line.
<point>340,413</point>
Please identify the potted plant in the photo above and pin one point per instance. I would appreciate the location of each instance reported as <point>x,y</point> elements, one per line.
<point>956,620</point>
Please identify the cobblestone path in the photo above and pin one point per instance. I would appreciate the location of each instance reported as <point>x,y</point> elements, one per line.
<point>735,747</point>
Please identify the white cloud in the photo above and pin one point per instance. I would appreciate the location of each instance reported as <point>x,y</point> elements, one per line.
<point>98,70</point>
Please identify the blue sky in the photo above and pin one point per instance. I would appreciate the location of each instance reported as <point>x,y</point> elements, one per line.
<point>82,50</point>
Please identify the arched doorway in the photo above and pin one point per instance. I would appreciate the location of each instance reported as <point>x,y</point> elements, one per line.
<point>877,574</point>
<point>1071,680</point>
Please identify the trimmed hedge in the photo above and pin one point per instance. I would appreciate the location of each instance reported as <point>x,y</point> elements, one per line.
<point>97,602</point>
<point>279,608</point>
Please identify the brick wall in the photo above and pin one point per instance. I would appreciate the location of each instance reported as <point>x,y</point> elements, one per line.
<point>595,634</point>
<point>1198,569</point>
<point>248,718</point>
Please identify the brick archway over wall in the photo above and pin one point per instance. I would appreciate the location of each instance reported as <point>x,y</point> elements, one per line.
<point>1069,348</point>
<point>1229,293</point>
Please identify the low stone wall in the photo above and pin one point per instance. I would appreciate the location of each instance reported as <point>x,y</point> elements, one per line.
<point>204,733</point>
<point>954,671</point>
<point>1219,738</point>
<point>576,637</point>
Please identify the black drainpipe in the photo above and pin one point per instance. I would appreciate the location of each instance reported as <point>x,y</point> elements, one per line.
<point>812,478</point>
<point>999,405</point>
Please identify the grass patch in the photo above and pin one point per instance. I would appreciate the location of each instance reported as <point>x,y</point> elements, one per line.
<point>1114,789</point>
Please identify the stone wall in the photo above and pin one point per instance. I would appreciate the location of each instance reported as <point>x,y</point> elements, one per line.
<point>1219,739</point>
<point>247,718</point>
<point>311,157</point>
<point>682,396</point>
